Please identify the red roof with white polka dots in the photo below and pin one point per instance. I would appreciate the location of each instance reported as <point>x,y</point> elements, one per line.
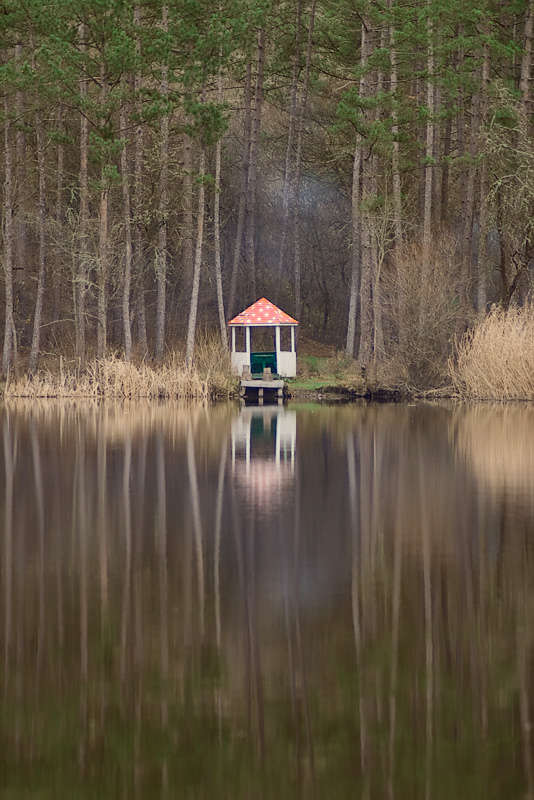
<point>263,312</point>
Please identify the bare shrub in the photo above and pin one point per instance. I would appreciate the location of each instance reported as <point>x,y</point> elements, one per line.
<point>495,359</point>
<point>422,310</point>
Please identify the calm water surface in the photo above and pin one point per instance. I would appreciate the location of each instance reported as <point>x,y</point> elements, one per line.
<point>277,602</point>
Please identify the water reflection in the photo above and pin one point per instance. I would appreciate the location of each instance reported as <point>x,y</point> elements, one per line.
<point>266,602</point>
<point>263,455</point>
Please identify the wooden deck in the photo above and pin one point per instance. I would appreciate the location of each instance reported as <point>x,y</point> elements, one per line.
<point>258,389</point>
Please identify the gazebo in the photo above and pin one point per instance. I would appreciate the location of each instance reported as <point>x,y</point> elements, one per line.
<point>264,314</point>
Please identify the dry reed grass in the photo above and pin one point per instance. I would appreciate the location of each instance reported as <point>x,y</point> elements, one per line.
<point>214,363</point>
<point>112,377</point>
<point>495,359</point>
<point>209,377</point>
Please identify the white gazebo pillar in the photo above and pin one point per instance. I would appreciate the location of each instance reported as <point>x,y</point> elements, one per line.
<point>277,345</point>
<point>247,344</point>
<point>233,340</point>
<point>292,338</point>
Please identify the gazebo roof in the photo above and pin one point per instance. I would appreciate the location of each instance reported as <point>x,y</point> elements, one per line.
<point>262,313</point>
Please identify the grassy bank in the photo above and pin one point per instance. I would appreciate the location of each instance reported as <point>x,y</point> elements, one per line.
<point>335,375</point>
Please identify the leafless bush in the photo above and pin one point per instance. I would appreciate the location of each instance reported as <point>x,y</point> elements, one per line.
<point>422,306</point>
<point>495,359</point>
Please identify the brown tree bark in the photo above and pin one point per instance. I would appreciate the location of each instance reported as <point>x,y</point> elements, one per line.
<point>217,229</point>
<point>298,162</point>
<point>57,265</point>
<point>368,196</point>
<point>355,210</point>
<point>188,237</point>
<point>103,236</point>
<point>245,163</point>
<point>252,178</point>
<point>128,250</point>
<point>429,149</point>
<point>356,250</point>
<point>137,241</point>
<point>21,200</point>
<point>103,268</point>
<point>161,250</point>
<point>395,161</point>
<point>525,81</point>
<point>9,331</point>
<point>468,218</point>
<point>81,276</point>
<point>288,187</point>
<point>193,307</point>
<point>41,204</point>
<point>482,266</point>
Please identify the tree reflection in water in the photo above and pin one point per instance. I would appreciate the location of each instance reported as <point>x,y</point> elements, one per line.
<point>276,602</point>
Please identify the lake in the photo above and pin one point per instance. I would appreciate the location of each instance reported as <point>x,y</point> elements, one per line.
<point>266,602</point>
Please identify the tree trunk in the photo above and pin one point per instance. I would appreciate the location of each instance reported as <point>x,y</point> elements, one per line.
<point>103,239</point>
<point>367,266</point>
<point>288,168</point>
<point>127,277</point>
<point>445,170</point>
<point>396,176</point>
<point>298,163</point>
<point>193,307</point>
<point>81,277</point>
<point>436,155</point>
<point>525,81</point>
<point>41,149</point>
<point>161,251</point>
<point>9,332</point>
<point>465,278</point>
<point>356,249</point>
<point>368,195</point>
<point>250,216</point>
<point>355,210</point>
<point>138,247</point>
<point>59,218</point>
<point>188,235</point>
<point>482,267</point>
<point>217,230</point>
<point>245,163</point>
<point>429,150</point>
<point>21,230</point>
<point>103,257</point>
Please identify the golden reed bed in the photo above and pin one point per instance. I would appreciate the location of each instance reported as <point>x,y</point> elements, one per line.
<point>114,378</point>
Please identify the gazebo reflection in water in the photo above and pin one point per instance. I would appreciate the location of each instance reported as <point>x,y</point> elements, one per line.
<point>263,454</point>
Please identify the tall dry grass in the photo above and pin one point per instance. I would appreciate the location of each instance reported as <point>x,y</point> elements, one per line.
<point>112,377</point>
<point>495,359</point>
<point>213,362</point>
<point>209,377</point>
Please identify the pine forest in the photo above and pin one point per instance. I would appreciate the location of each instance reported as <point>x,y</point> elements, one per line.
<point>367,166</point>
